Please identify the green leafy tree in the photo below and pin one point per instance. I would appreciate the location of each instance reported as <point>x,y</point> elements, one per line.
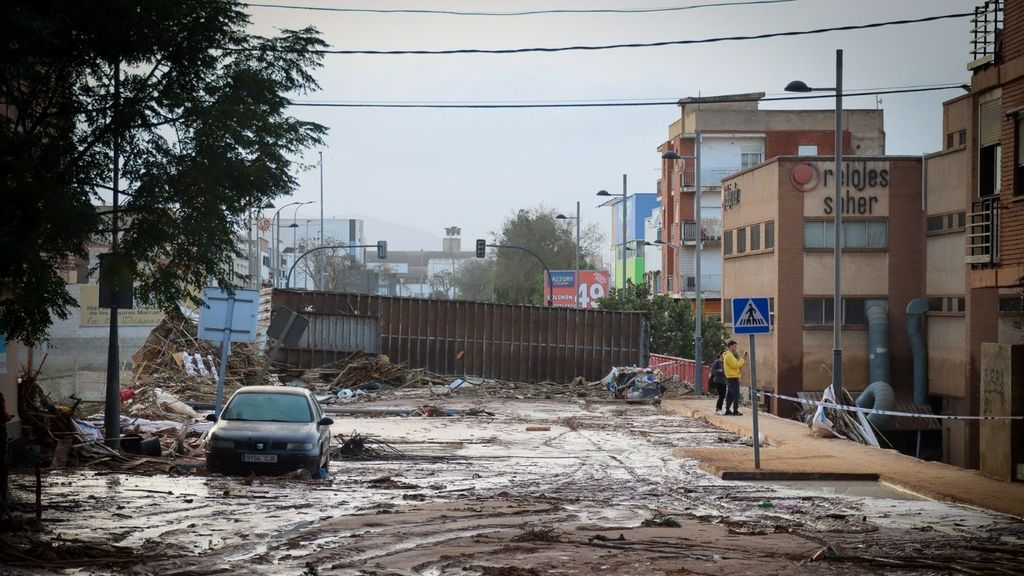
<point>194,106</point>
<point>475,280</point>
<point>518,277</point>
<point>672,325</point>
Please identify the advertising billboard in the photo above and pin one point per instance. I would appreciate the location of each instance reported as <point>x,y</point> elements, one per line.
<point>592,286</point>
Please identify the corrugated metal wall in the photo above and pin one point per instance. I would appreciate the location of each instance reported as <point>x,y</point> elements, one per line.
<point>502,341</point>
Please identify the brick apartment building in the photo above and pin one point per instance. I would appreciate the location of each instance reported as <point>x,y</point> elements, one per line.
<point>735,135</point>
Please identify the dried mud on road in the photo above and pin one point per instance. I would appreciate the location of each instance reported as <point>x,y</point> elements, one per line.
<point>541,487</point>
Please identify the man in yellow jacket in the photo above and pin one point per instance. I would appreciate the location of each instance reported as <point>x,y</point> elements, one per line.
<point>732,361</point>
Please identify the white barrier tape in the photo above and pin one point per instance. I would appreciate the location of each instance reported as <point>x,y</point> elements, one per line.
<point>886,412</point>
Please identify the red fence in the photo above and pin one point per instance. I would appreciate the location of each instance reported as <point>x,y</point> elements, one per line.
<point>671,366</point>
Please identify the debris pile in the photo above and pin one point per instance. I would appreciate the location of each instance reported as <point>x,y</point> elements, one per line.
<point>634,383</point>
<point>175,361</point>
<point>360,447</point>
<point>828,422</point>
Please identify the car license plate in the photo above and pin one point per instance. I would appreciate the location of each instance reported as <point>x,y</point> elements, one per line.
<point>265,458</point>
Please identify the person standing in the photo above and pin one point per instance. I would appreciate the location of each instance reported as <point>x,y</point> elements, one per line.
<point>733,362</point>
<point>717,383</point>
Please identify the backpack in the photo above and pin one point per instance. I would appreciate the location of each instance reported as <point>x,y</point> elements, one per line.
<point>717,371</point>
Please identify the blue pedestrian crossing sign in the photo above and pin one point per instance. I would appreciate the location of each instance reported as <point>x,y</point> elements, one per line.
<point>751,316</point>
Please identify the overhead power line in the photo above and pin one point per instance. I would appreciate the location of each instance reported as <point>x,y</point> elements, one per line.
<point>631,45</point>
<point>522,13</point>
<point>606,104</point>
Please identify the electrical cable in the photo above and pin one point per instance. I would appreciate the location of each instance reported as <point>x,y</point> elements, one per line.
<point>494,106</point>
<point>523,13</point>
<point>613,46</point>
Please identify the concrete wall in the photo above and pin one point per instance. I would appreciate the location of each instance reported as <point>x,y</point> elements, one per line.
<point>76,355</point>
<point>1002,394</point>
<point>865,127</point>
<point>947,355</point>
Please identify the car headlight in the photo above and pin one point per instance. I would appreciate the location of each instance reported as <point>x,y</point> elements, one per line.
<point>299,446</point>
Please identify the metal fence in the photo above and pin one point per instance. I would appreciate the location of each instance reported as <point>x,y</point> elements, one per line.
<point>502,341</point>
<point>684,369</point>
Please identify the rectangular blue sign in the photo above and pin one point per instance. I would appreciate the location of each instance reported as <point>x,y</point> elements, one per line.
<point>751,316</point>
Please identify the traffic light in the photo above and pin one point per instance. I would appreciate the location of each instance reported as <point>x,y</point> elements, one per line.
<point>481,248</point>
<point>382,249</point>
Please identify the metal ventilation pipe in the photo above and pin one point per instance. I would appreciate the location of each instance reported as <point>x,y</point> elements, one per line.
<point>915,316</point>
<point>879,395</point>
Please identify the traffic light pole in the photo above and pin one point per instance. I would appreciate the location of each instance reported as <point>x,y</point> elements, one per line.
<point>530,252</point>
<point>382,253</point>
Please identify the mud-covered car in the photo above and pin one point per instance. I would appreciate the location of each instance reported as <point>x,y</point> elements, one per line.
<point>269,430</point>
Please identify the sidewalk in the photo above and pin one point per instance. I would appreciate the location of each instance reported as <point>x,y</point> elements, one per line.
<point>794,453</point>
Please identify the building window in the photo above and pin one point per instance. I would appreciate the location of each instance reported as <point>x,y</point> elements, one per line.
<point>808,150</point>
<point>990,152</point>
<point>947,304</point>
<point>819,311</point>
<point>727,243</point>
<point>741,240</point>
<point>962,137</point>
<point>1011,304</point>
<point>949,140</point>
<point>945,223</point>
<point>857,234</point>
<point>818,234</point>
<point>1018,164</point>
<point>749,159</point>
<point>769,235</point>
<point>755,237</point>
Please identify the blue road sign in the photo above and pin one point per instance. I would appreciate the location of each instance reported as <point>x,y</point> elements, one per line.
<point>751,316</point>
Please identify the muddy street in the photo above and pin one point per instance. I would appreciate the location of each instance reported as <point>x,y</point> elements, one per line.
<point>540,487</point>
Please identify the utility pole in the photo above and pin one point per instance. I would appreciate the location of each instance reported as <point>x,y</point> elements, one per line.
<point>112,398</point>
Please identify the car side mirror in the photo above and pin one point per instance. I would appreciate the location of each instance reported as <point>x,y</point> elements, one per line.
<point>211,417</point>
<point>325,421</point>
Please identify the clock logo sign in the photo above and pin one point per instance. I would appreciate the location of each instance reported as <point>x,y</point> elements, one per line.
<point>804,177</point>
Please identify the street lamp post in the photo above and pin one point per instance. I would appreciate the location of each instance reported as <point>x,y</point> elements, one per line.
<point>837,224</point>
<point>576,278</point>
<point>275,266</point>
<point>623,249</point>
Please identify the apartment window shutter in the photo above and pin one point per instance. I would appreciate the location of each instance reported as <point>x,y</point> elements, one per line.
<point>1019,140</point>
<point>989,117</point>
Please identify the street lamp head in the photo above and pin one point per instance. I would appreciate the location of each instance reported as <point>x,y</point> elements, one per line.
<point>671,155</point>
<point>797,86</point>
<point>562,217</point>
<point>603,193</point>
<point>293,225</point>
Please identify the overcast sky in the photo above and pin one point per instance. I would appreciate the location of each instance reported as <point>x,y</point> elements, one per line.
<point>427,169</point>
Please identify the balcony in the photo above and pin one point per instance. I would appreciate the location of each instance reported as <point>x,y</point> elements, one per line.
<point>710,286</point>
<point>983,232</point>
<point>709,178</point>
<point>986,29</point>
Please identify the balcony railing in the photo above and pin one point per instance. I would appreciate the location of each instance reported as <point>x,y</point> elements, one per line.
<point>709,177</point>
<point>983,232</point>
<point>710,284</point>
<point>986,31</point>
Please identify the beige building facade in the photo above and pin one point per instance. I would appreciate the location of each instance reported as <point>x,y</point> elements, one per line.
<point>777,243</point>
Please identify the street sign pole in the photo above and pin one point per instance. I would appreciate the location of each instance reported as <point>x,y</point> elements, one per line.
<point>753,403</point>
<point>225,352</point>
<point>752,316</point>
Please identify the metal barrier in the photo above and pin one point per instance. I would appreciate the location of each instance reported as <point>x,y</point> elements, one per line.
<point>454,337</point>
<point>682,368</point>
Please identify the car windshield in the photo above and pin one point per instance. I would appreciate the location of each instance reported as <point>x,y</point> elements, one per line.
<point>268,407</point>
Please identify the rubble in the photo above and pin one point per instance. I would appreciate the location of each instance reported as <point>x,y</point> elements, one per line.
<point>175,361</point>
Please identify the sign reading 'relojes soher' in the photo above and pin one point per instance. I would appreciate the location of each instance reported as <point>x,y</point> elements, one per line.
<point>862,183</point>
